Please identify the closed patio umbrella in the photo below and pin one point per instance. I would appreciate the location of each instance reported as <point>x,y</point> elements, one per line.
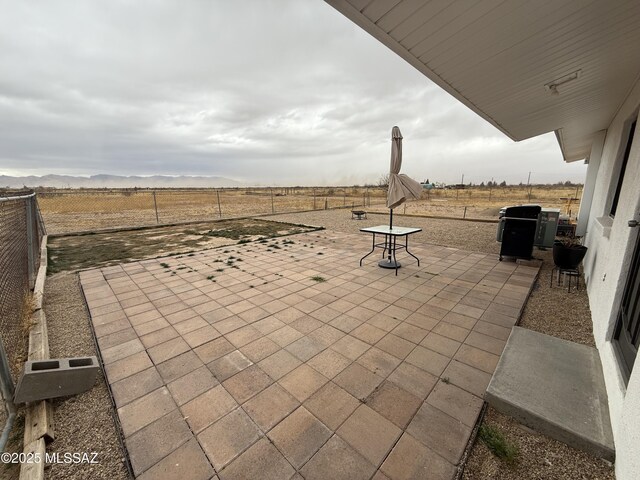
<point>401,187</point>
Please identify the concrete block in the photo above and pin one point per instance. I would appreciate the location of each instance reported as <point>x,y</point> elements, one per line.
<point>555,387</point>
<point>60,377</point>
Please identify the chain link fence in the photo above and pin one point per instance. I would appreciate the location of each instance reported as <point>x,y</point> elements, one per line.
<point>92,210</point>
<point>21,232</point>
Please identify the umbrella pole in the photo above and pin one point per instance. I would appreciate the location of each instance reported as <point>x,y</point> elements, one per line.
<point>391,219</point>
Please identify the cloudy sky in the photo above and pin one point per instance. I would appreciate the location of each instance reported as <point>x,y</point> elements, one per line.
<point>266,91</point>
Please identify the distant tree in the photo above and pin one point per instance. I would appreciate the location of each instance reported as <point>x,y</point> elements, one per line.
<point>481,184</point>
<point>503,183</point>
<point>383,181</point>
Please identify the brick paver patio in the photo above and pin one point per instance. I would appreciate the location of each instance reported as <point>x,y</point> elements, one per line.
<point>234,363</point>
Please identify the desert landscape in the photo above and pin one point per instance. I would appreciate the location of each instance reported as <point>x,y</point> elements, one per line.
<point>83,210</point>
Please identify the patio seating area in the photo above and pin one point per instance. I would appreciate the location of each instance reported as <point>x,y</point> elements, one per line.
<point>282,358</point>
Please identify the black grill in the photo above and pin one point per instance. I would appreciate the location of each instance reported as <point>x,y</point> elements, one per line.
<point>519,231</point>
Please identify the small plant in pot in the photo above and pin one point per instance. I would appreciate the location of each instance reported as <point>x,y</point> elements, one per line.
<point>568,252</point>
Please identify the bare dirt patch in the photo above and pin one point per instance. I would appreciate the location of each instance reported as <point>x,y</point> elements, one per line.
<point>109,248</point>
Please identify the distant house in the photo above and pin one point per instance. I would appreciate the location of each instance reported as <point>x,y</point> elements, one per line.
<point>572,68</point>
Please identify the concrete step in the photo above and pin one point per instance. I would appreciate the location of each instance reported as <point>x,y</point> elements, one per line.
<point>555,387</point>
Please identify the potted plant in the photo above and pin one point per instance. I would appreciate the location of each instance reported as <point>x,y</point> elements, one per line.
<point>568,252</point>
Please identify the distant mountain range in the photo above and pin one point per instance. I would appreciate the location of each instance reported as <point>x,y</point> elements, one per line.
<point>116,181</point>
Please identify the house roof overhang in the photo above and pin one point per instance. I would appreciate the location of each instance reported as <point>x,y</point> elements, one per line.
<point>514,62</point>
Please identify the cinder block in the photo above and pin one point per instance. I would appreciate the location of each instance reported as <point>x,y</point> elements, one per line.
<point>59,377</point>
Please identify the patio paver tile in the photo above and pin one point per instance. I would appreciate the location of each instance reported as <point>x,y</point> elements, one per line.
<point>442,345</point>
<point>208,408</point>
<point>201,336</point>
<point>299,436</point>
<point>470,379</point>
<point>214,349</point>
<point>329,363</point>
<point>228,438</point>
<point>358,381</point>
<point>228,365</point>
<point>411,460</point>
<point>128,366</point>
<point>369,433</point>
<point>285,335</point>
<point>145,410</point>
<point>368,333</point>
<point>178,366</point>
<point>306,324</point>
<point>151,444</point>
<point>259,349</point>
<point>413,379</point>
<point>191,385</point>
<point>394,403</point>
<point>485,342</point>
<point>305,348</point>
<point>158,336</point>
<point>440,432</point>
<point>279,364</point>
<point>379,362</point>
<point>350,347</point>
<point>244,385</point>
<point>396,346</point>
<point>262,461</point>
<point>270,406</point>
<point>428,360</point>
<point>332,405</point>
<point>187,461</point>
<point>243,335</point>
<point>167,350</point>
<point>410,332</point>
<point>303,382</point>
<point>477,358</point>
<point>337,460</point>
<point>456,402</point>
<point>136,386</point>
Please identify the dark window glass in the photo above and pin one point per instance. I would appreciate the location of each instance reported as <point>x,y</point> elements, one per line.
<point>616,197</point>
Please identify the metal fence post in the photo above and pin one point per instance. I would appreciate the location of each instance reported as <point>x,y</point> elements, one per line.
<point>155,206</point>
<point>219,208</point>
<point>273,210</point>
<point>30,238</point>
<point>314,198</point>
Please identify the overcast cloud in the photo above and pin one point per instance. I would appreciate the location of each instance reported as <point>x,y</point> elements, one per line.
<point>266,92</point>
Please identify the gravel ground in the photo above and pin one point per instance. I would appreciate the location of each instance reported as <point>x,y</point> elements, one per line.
<point>540,457</point>
<point>471,236</point>
<point>83,423</point>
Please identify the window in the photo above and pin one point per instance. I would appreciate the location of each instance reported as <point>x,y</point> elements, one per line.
<point>623,167</point>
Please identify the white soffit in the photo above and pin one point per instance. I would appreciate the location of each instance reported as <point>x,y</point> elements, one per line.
<point>496,56</point>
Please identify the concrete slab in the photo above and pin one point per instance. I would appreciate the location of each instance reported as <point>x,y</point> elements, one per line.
<point>555,387</point>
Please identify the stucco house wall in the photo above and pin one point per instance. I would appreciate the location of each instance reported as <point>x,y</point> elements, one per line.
<point>611,242</point>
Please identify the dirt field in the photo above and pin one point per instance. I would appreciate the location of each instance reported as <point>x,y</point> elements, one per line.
<point>102,249</point>
<point>66,211</point>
